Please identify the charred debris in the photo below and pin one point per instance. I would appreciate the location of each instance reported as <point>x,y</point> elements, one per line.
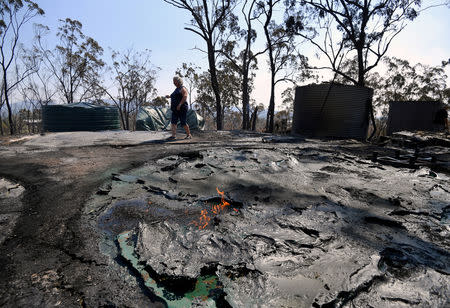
<point>293,223</point>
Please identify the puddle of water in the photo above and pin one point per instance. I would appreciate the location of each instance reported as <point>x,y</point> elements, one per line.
<point>445,218</point>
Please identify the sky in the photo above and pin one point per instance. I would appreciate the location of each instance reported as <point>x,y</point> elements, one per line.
<point>158,26</point>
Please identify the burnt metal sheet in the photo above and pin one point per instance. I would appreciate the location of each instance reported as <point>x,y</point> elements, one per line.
<point>412,115</point>
<point>332,110</point>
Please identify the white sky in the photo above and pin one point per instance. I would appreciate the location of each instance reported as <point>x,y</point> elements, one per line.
<point>156,25</point>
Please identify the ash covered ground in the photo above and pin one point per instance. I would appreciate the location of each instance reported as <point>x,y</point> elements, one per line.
<point>117,221</point>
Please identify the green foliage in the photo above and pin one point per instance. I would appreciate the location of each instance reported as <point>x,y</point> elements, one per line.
<point>399,80</point>
<point>159,101</point>
<point>76,62</point>
<point>230,85</point>
<point>405,82</point>
<point>230,91</point>
<point>287,102</point>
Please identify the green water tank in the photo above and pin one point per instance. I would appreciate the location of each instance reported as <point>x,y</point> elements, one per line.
<point>80,117</point>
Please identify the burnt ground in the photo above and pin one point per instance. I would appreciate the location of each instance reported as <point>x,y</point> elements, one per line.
<point>311,223</point>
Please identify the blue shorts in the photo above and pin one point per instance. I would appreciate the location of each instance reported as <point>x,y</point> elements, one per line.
<point>179,114</point>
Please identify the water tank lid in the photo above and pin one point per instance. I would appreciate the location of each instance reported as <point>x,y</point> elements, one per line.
<point>83,105</point>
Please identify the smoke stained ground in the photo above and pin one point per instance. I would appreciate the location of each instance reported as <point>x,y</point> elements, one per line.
<point>306,226</point>
<point>310,223</point>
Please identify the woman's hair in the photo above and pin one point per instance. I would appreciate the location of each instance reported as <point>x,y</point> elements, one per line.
<point>178,79</point>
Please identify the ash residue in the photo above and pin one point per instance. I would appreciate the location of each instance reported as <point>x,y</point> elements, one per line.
<point>310,227</point>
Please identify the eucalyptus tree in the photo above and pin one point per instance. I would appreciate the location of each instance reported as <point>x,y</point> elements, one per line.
<point>349,28</point>
<point>37,89</point>
<point>75,63</point>
<point>288,99</point>
<point>159,101</point>
<point>246,60</point>
<point>14,14</point>
<point>210,20</point>
<point>2,102</point>
<point>399,80</point>
<point>403,81</point>
<point>134,79</point>
<point>229,87</point>
<point>285,63</point>
<point>189,72</point>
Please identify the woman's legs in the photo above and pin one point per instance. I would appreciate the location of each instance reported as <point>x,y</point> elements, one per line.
<point>173,122</point>
<point>183,115</point>
<point>188,131</point>
<point>174,130</point>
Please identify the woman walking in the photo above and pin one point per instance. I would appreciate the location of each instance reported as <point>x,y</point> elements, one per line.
<point>179,107</point>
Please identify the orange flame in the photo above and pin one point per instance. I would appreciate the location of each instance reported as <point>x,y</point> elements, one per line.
<point>205,217</point>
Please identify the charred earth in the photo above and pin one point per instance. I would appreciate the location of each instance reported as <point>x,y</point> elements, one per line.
<point>227,219</point>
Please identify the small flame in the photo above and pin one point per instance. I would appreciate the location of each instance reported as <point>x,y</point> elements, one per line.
<point>204,219</point>
<point>206,216</point>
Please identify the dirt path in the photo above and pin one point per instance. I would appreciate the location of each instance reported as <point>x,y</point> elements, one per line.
<point>51,259</point>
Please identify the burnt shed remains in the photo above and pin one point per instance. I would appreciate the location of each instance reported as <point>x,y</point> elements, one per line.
<point>413,115</point>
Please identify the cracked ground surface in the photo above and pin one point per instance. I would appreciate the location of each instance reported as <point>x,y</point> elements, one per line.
<point>310,223</point>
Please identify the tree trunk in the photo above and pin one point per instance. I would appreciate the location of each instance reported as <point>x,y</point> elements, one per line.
<point>246,62</point>
<point>361,83</point>
<point>361,80</point>
<point>271,110</point>
<point>127,118</point>
<point>245,102</point>
<point>254,118</point>
<point>122,113</point>
<point>8,106</point>
<point>215,85</point>
<point>1,123</point>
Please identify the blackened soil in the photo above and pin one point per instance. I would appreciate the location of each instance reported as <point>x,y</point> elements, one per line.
<point>52,256</point>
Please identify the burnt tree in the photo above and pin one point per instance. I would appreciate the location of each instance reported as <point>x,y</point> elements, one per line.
<point>365,29</point>
<point>14,14</point>
<point>209,21</point>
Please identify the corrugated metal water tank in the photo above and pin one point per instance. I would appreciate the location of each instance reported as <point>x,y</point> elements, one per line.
<point>79,117</point>
<point>410,115</point>
<point>332,110</point>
